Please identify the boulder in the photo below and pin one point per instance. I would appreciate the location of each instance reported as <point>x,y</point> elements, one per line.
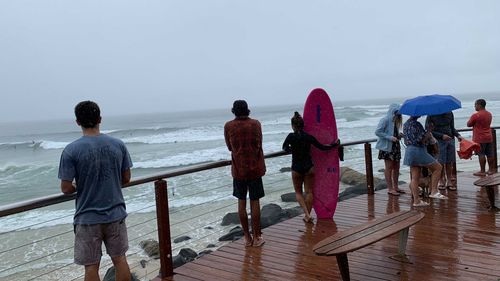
<point>204,252</point>
<point>211,246</point>
<point>181,239</point>
<point>292,212</point>
<point>230,218</point>
<point>185,255</point>
<point>351,177</point>
<point>110,275</point>
<point>288,197</point>
<point>234,234</point>
<point>151,247</point>
<point>269,215</point>
<point>285,169</point>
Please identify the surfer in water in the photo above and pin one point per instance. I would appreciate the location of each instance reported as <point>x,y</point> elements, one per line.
<point>299,144</point>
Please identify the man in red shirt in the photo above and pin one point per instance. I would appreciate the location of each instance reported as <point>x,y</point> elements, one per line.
<point>243,137</point>
<point>481,133</point>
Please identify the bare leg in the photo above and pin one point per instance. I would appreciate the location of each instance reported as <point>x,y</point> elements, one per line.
<point>448,170</point>
<point>435,169</point>
<point>395,174</point>
<point>255,213</point>
<point>122,270</point>
<point>92,272</point>
<point>482,163</point>
<point>308,187</point>
<point>388,175</point>
<point>242,213</point>
<point>415,177</point>
<point>298,180</point>
<point>492,165</point>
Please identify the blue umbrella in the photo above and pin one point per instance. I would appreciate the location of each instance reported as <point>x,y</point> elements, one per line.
<point>429,105</point>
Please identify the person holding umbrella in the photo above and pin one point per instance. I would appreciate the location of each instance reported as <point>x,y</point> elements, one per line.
<point>416,156</point>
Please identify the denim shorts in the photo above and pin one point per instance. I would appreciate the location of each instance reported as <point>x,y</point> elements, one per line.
<point>418,156</point>
<point>255,189</point>
<point>89,238</point>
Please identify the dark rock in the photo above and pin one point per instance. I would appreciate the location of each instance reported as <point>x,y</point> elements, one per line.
<point>110,275</point>
<point>211,246</point>
<point>288,197</point>
<point>185,255</point>
<point>292,212</point>
<point>270,214</point>
<point>181,239</point>
<point>143,263</point>
<point>285,169</point>
<point>230,218</point>
<point>204,252</point>
<point>151,247</point>
<point>234,234</point>
<point>209,227</point>
<point>351,177</point>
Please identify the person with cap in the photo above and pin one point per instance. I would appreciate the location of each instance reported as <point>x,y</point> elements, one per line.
<point>388,133</point>
<point>481,134</point>
<point>243,136</point>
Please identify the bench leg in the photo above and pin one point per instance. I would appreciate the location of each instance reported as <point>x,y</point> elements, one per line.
<point>403,238</point>
<point>343,266</point>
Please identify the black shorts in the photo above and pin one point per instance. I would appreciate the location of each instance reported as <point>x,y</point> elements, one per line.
<point>255,189</point>
<point>486,149</point>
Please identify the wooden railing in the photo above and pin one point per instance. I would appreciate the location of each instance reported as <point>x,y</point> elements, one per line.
<point>161,196</point>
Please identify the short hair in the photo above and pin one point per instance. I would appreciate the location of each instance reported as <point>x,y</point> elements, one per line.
<point>240,108</point>
<point>481,102</point>
<point>87,114</point>
<point>297,121</point>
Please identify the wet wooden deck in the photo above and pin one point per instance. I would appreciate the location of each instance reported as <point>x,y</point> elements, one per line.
<point>459,239</point>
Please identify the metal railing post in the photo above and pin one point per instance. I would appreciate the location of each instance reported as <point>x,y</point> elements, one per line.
<point>162,214</point>
<point>369,168</point>
<point>495,147</point>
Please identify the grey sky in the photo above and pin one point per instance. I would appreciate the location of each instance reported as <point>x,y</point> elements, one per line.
<point>154,56</point>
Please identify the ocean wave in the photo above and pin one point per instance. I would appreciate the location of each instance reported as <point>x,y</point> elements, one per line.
<point>35,219</point>
<point>183,135</point>
<point>184,159</point>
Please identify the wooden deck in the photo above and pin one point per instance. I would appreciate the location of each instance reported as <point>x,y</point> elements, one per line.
<point>459,239</point>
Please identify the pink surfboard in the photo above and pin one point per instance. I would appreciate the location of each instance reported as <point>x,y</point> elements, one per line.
<point>319,121</point>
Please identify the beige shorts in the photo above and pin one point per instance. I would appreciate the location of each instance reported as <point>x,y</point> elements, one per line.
<point>89,238</point>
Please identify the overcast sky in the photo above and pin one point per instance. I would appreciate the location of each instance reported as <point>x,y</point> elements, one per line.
<point>155,56</point>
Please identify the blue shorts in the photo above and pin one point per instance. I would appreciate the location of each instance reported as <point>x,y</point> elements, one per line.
<point>446,151</point>
<point>417,156</point>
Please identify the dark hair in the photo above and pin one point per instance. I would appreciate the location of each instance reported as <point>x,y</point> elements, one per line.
<point>240,108</point>
<point>481,102</point>
<point>87,114</point>
<point>297,121</point>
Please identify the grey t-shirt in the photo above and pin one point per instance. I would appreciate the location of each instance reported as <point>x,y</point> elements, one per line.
<point>96,163</point>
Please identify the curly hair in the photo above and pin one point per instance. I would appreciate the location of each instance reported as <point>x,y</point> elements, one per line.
<point>297,121</point>
<point>87,114</point>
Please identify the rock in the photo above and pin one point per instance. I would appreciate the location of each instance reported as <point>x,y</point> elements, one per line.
<point>285,169</point>
<point>211,246</point>
<point>151,247</point>
<point>351,177</point>
<point>185,255</point>
<point>143,263</point>
<point>288,197</point>
<point>292,212</point>
<point>269,215</point>
<point>230,218</point>
<point>234,234</point>
<point>204,252</point>
<point>209,227</point>
<point>181,239</point>
<point>110,275</point>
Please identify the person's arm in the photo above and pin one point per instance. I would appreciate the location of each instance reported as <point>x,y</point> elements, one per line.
<point>380,131</point>
<point>67,187</point>
<point>454,131</point>
<point>472,120</point>
<point>320,146</point>
<point>286,144</point>
<point>226,138</point>
<point>126,175</point>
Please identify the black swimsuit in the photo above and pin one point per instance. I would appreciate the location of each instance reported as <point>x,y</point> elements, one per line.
<point>299,144</point>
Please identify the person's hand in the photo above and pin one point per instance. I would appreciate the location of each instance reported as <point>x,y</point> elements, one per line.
<point>446,137</point>
<point>460,138</point>
<point>394,139</point>
<point>335,143</point>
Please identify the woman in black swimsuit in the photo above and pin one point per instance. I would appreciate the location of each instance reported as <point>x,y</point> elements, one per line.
<point>299,143</point>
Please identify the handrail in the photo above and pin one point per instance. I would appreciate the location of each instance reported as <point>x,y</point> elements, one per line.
<point>53,199</point>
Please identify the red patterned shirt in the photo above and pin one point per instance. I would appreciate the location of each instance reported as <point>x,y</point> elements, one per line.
<point>243,137</point>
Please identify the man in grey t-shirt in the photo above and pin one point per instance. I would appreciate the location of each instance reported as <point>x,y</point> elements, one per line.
<point>99,165</point>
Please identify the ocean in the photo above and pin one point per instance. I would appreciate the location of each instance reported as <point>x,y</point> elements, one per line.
<point>160,142</point>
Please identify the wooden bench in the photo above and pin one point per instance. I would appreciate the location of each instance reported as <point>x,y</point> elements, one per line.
<point>488,183</point>
<point>357,237</point>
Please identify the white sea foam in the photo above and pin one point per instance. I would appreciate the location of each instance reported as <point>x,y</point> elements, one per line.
<point>52,144</point>
<point>187,158</point>
<point>184,135</point>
